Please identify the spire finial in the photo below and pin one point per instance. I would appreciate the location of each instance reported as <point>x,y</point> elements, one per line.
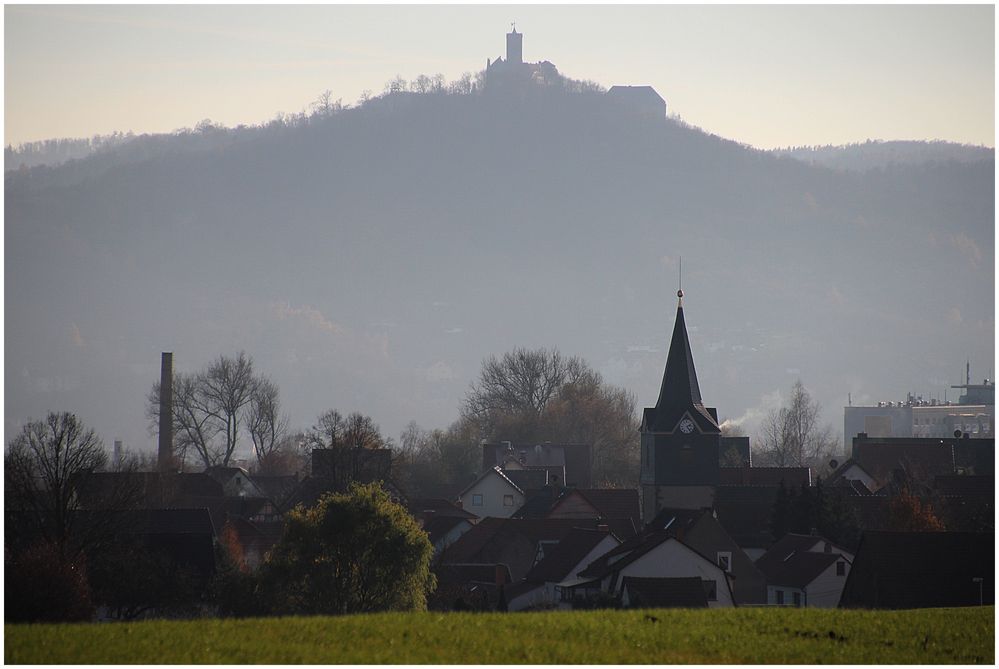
<point>679,292</point>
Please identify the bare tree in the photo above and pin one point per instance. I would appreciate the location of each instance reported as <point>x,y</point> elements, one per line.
<point>542,395</point>
<point>521,383</point>
<point>791,436</point>
<point>422,84</point>
<point>209,409</point>
<point>264,421</point>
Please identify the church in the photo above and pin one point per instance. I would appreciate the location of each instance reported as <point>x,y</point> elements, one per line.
<point>682,451</point>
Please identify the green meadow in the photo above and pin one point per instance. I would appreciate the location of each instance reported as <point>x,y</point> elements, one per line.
<point>652,636</point>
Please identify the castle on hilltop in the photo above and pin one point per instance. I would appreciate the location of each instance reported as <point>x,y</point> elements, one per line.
<point>512,74</point>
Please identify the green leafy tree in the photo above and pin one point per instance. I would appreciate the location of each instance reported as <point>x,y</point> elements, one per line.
<point>356,552</point>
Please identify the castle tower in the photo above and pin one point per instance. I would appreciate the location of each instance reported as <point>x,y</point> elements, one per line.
<point>514,47</point>
<point>680,436</point>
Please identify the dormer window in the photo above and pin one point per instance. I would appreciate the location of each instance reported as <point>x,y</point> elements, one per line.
<point>725,560</point>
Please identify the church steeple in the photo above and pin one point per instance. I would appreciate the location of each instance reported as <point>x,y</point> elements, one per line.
<point>680,392</point>
<point>680,378</point>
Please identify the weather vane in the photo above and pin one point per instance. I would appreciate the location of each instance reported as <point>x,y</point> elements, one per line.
<point>679,281</point>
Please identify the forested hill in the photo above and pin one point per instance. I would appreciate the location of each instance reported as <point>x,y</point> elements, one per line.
<point>878,154</point>
<point>369,259</point>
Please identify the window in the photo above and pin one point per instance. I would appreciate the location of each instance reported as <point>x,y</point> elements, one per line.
<point>507,500</point>
<point>828,547</point>
<point>710,590</point>
<point>476,500</point>
<point>841,568</point>
<point>797,599</point>
<point>725,560</point>
<point>780,598</point>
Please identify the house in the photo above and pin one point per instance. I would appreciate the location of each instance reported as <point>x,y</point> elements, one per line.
<point>663,593</point>
<point>701,531</point>
<point>805,571</point>
<point>914,570</point>
<point>652,554</point>
<point>597,503</point>
<point>574,459</point>
<point>851,474</point>
<point>521,543</point>
<point>578,548</point>
<point>250,541</point>
<point>641,99</point>
<point>445,530</point>
<point>492,495</point>
<point>235,481</point>
<point>917,460</point>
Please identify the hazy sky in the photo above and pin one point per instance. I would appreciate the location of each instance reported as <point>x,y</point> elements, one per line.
<point>767,76</point>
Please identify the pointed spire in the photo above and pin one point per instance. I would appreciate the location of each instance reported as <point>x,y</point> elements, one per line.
<point>679,387</point>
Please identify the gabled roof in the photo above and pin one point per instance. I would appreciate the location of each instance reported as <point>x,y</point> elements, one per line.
<point>800,569</point>
<point>682,592</point>
<point>922,458</point>
<point>790,476</point>
<point>609,503</point>
<point>527,479</point>
<point>437,527</point>
<point>625,554</point>
<point>636,92</point>
<point>675,521</point>
<point>574,457</point>
<point>426,507</point>
<point>570,551</point>
<point>491,535</point>
<point>679,393</point>
<point>907,570</point>
<point>494,471</point>
<point>784,548</point>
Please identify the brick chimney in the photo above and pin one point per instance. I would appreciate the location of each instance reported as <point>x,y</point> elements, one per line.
<point>164,459</point>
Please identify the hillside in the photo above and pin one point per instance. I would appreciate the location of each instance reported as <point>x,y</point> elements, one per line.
<point>657,636</point>
<point>878,155</point>
<point>371,259</point>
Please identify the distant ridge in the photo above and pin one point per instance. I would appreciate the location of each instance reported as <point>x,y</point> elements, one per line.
<point>876,154</point>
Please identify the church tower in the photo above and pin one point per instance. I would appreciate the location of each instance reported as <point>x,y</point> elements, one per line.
<point>680,436</point>
<point>514,47</point>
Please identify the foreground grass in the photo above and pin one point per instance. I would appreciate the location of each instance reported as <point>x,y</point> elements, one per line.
<point>962,636</point>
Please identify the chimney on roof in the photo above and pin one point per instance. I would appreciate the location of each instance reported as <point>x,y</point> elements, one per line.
<point>165,454</point>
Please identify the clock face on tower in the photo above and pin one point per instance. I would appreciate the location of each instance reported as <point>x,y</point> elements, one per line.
<point>686,426</point>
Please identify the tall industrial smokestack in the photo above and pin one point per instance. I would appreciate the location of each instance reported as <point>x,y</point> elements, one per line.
<point>165,456</point>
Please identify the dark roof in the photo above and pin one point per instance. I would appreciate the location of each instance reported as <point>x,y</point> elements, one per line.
<point>569,552</point>
<point>626,553</point>
<point>574,457</point>
<point>460,574</point>
<point>152,489</point>
<point>791,476</point>
<point>909,570</point>
<point>785,547</point>
<point>800,569</point>
<point>528,479</point>
<point>836,475</point>
<point>311,488</point>
<point>745,511</point>
<point>645,93</point>
<point>674,520</point>
<point>426,507</point>
<point>679,392</point>
<point>919,458</point>
<point>276,487</point>
<point>491,535</point>
<point>539,502</point>
<point>610,503</point>
<point>437,527</point>
<point>954,485</point>
<point>492,471</point>
<point>683,592</point>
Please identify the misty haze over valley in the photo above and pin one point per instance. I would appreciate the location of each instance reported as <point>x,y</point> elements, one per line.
<point>369,258</point>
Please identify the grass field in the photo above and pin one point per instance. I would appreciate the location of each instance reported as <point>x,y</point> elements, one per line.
<point>754,635</point>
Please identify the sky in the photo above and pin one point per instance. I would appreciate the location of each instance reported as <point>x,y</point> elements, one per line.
<point>768,76</point>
